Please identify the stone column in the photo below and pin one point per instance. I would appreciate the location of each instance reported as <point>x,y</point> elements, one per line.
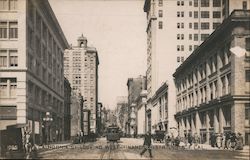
<point>238,118</point>
<point>216,122</point>
<point>221,120</point>
<point>207,127</point>
<point>192,124</point>
<point>198,122</point>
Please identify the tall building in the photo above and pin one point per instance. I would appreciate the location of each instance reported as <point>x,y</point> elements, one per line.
<point>175,28</point>
<point>67,115</point>
<point>135,86</point>
<point>213,82</point>
<point>81,69</point>
<point>31,68</point>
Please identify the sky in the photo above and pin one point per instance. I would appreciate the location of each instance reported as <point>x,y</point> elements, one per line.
<point>117,28</point>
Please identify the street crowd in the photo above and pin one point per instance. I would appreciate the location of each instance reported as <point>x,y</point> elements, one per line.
<point>227,140</point>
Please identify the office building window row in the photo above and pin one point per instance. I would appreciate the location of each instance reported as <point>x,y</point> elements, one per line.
<point>180,47</point>
<point>160,13</point>
<point>8,30</point>
<point>216,3</point>
<point>180,14</point>
<point>180,59</point>
<point>180,3</point>
<point>204,3</point>
<point>216,14</point>
<point>180,25</point>
<point>160,25</point>
<point>8,87</point>
<point>8,5</point>
<point>180,36</point>
<point>205,25</point>
<point>8,58</point>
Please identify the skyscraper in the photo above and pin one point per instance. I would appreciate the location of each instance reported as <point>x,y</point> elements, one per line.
<point>81,69</point>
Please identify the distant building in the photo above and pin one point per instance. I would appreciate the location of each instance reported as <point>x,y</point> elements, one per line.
<point>81,69</point>
<point>213,83</point>
<point>67,116</point>
<point>76,123</point>
<point>135,86</point>
<point>121,112</point>
<point>141,119</point>
<point>159,117</point>
<point>31,69</point>
<point>99,118</point>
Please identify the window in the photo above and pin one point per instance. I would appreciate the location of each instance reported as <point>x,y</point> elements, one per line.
<point>13,58</point>
<point>160,13</point>
<point>216,14</point>
<point>182,59</point>
<point>3,29</point>
<point>195,3</point>
<point>178,47</point>
<point>195,25</point>
<point>8,4</point>
<point>3,58</point>
<point>182,47</point>
<point>204,36</point>
<point>178,14</point>
<point>8,87</point>
<point>182,14</point>
<point>160,3</point>
<point>195,14</point>
<point>216,3</point>
<point>247,41</point>
<point>205,3</point>
<point>13,4</point>
<point>178,3</point>
<point>244,5</point>
<point>190,3</point>
<point>190,14</point>
<point>204,14</point>
<point>215,25</point>
<point>178,25</point>
<point>178,36</point>
<point>182,36</point>
<point>182,3</point>
<point>160,24</point>
<point>190,36</point>
<point>190,25</point>
<point>195,46</point>
<point>13,30</point>
<point>195,37</point>
<point>182,25</point>
<point>247,75</point>
<point>204,25</point>
<point>190,47</point>
<point>178,59</point>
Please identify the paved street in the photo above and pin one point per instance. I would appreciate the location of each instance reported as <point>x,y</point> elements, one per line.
<point>129,148</point>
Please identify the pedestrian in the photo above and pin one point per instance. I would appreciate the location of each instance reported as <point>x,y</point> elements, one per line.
<point>190,140</point>
<point>219,140</point>
<point>196,141</point>
<point>147,145</point>
<point>239,142</point>
<point>223,143</point>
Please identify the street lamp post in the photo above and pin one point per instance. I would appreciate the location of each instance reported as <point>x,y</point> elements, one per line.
<point>47,119</point>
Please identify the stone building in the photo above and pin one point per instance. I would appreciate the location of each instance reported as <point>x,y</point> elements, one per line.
<point>81,69</point>
<point>31,68</point>
<point>212,85</point>
<point>67,103</point>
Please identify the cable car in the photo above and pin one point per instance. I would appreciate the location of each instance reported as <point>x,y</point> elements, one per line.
<point>113,133</point>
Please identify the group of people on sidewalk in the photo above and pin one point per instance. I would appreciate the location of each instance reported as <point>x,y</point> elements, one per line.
<point>225,141</point>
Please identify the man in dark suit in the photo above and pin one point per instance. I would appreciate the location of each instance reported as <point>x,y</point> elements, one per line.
<point>147,145</point>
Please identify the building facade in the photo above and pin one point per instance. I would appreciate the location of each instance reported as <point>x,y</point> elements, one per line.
<point>213,83</point>
<point>160,109</point>
<point>76,123</point>
<point>81,69</point>
<point>67,115</point>
<point>121,112</point>
<point>141,120</point>
<point>31,68</point>
<point>190,23</point>
<point>135,86</point>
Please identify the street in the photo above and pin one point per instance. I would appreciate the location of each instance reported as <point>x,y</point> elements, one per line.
<point>129,148</point>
